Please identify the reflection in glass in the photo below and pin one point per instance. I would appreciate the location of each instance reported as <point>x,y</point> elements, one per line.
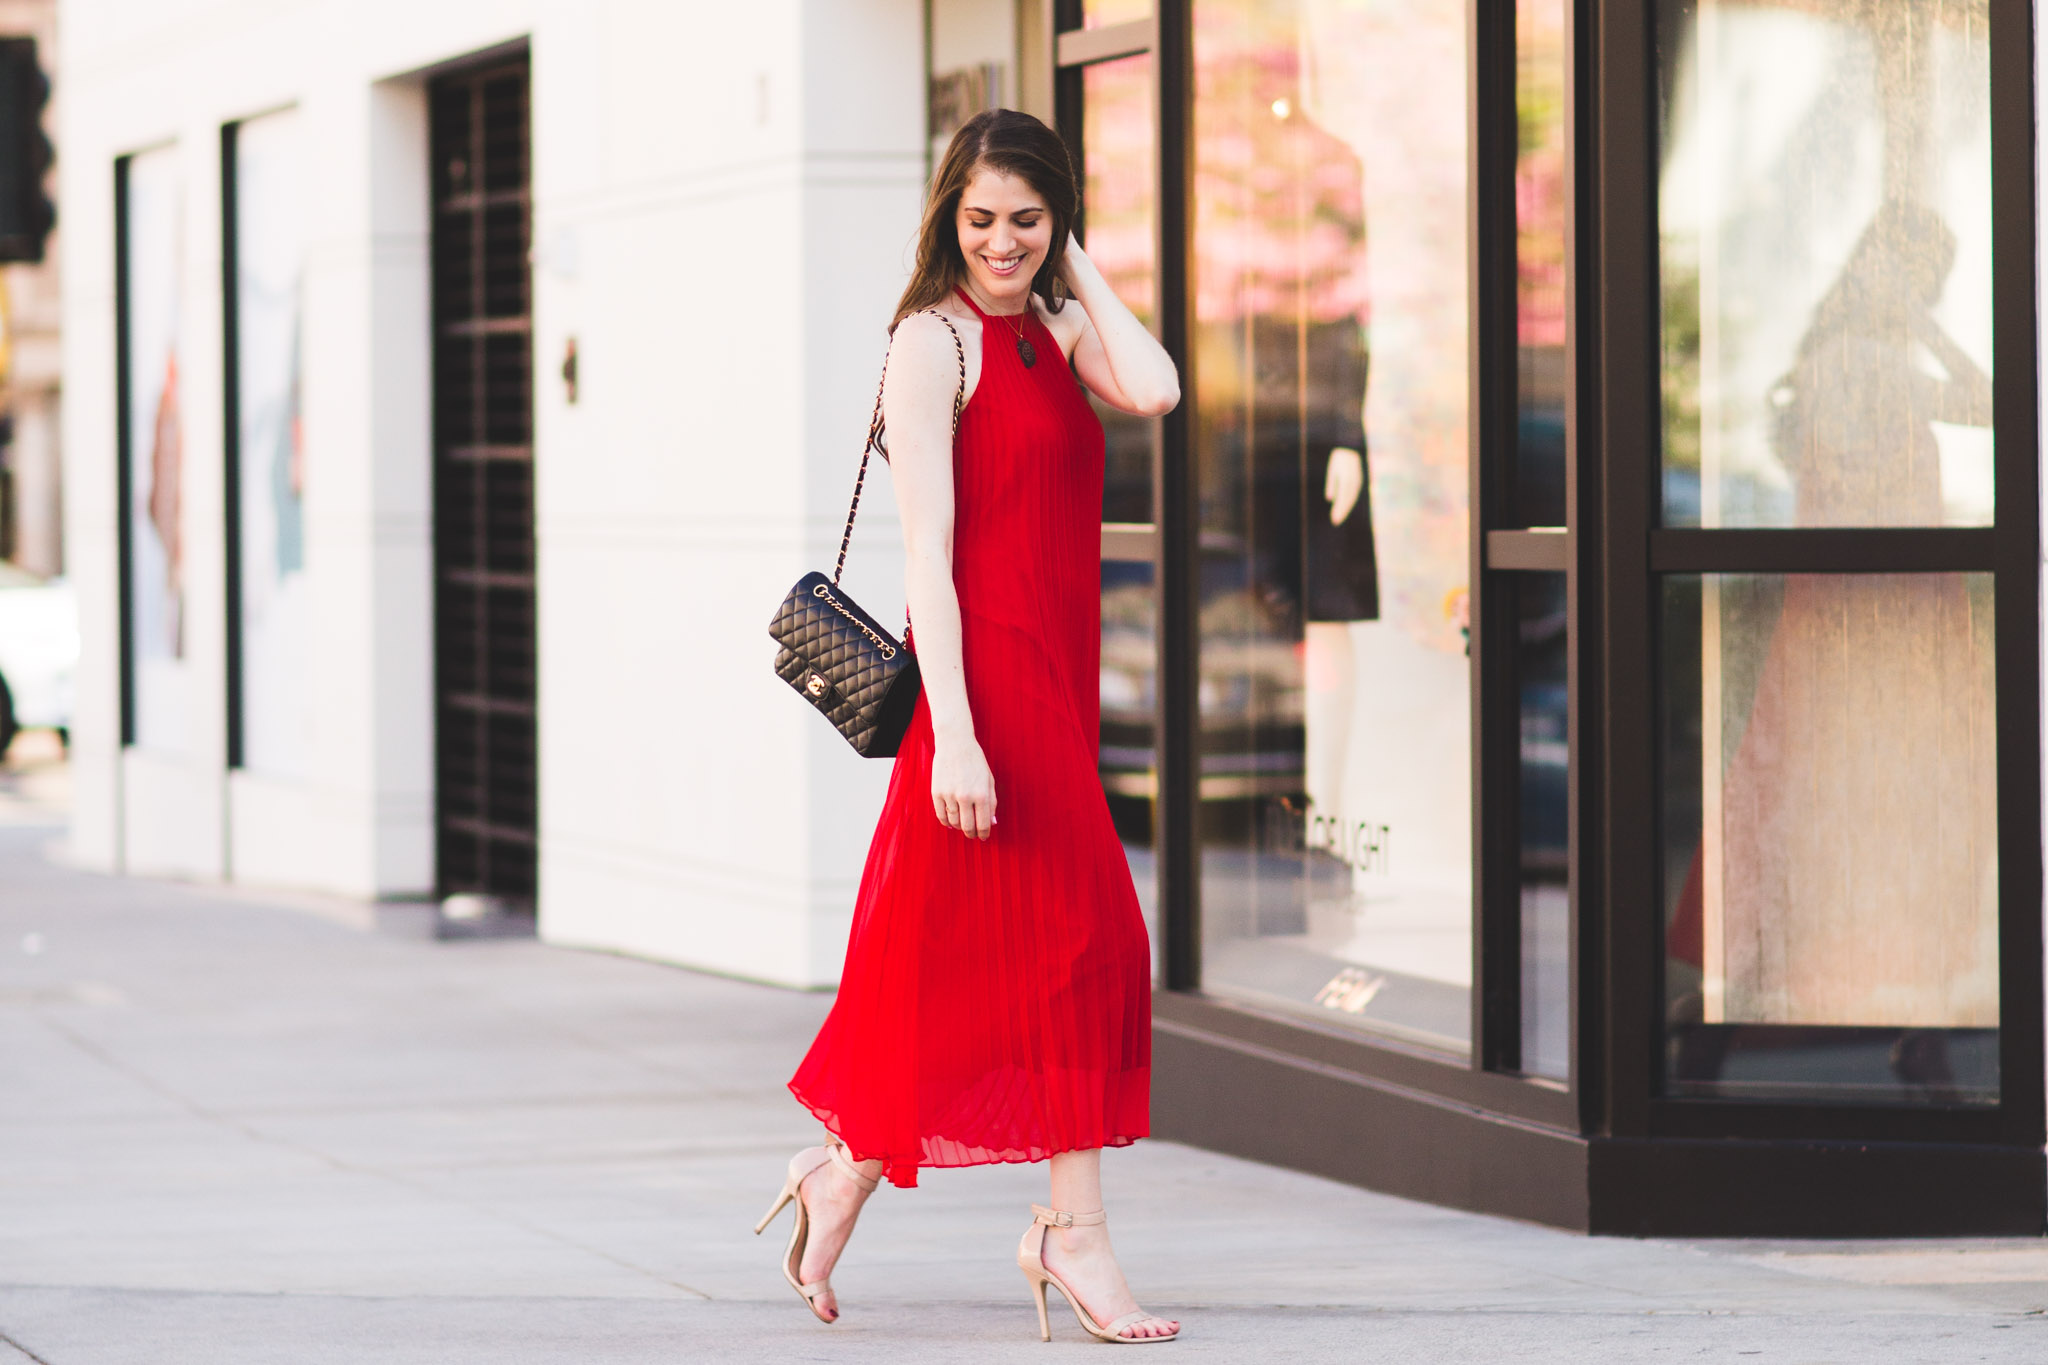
<point>1330,227</point>
<point>1830,808</point>
<point>971,56</point>
<point>1542,659</point>
<point>1116,198</point>
<point>1825,210</point>
<point>1540,277</point>
<point>1102,13</point>
<point>1538,499</point>
<point>1117,202</point>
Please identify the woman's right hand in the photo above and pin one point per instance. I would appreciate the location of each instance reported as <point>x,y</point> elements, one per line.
<point>963,788</point>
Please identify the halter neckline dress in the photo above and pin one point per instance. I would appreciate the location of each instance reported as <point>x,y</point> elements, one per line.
<point>995,1004</point>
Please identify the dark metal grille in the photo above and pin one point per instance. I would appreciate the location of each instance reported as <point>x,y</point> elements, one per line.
<point>483,482</point>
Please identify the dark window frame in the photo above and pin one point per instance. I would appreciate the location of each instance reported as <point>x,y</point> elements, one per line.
<point>1614,553</point>
<point>1638,552</point>
<point>124,454</point>
<point>1502,545</point>
<point>1489,1076</point>
<point>231,433</point>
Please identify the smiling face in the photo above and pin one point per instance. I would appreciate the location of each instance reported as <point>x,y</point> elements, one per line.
<point>1005,231</point>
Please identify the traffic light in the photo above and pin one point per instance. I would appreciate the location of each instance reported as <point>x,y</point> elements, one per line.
<point>26,214</point>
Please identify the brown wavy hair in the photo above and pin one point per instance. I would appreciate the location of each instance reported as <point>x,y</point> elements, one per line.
<point>1011,143</point>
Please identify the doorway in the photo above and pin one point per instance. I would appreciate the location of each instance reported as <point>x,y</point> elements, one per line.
<point>485,817</point>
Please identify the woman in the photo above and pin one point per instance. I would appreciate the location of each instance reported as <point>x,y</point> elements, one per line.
<point>995,1004</point>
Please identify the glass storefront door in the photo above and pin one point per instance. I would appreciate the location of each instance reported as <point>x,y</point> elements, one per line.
<point>1830,757</point>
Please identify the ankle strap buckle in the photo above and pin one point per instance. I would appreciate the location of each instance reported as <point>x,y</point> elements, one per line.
<point>1064,1218</point>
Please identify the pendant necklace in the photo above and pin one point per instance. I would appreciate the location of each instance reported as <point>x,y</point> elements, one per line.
<point>1025,351</point>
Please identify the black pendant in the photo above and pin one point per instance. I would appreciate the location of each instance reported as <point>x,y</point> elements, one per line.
<point>1025,353</point>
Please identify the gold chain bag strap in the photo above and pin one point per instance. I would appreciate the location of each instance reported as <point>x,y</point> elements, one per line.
<point>836,656</point>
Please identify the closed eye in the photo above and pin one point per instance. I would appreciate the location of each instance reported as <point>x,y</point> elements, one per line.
<point>1025,218</point>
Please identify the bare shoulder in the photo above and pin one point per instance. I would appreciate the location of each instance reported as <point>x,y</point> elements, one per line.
<point>924,344</point>
<point>934,352</point>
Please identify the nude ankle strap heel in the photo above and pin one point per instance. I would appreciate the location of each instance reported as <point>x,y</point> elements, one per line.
<point>801,1165</point>
<point>1031,1260</point>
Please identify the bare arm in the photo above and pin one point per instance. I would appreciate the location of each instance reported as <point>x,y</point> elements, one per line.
<point>917,405</point>
<point>1116,357</point>
<point>1966,397</point>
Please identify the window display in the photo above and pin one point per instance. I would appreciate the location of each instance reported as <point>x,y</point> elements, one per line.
<point>278,714</point>
<point>1118,168</point>
<point>1330,315</point>
<point>161,680</point>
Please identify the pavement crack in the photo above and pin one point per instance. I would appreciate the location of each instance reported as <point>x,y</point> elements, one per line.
<point>143,1078</point>
<point>6,1340</point>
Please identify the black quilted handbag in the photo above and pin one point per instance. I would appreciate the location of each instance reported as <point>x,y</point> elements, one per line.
<point>835,655</point>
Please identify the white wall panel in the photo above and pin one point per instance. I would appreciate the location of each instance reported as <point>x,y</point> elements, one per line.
<point>727,272</point>
<point>724,199</point>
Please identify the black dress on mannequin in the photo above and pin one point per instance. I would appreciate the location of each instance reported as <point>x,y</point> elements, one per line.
<point>1342,571</point>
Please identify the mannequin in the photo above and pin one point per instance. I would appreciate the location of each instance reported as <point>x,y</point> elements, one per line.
<point>1330,665</point>
<point>1347,887</point>
<point>1340,569</point>
<point>1284,357</point>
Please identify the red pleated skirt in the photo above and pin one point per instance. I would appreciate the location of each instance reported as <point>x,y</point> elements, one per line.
<point>995,1004</point>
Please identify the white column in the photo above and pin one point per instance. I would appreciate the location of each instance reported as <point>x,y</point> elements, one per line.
<point>724,240</point>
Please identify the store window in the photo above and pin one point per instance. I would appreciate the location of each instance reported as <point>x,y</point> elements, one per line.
<point>1829,756</point>
<point>971,65</point>
<point>1105,13</point>
<point>1827,264</point>
<point>1119,155</point>
<point>1331,321</point>
<point>1542,169</point>
<point>1575,686</point>
<point>1832,788</point>
<point>272,720</point>
<point>1533,614</point>
<point>157,701</point>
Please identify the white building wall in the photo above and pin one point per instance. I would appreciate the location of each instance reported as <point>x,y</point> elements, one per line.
<point>728,292</point>
<point>724,198</point>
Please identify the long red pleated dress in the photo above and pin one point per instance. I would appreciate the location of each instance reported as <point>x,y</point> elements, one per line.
<point>996,999</point>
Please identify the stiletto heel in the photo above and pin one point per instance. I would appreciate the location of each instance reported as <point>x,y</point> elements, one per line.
<point>800,1166</point>
<point>1038,1292</point>
<point>788,1193</point>
<point>1031,1260</point>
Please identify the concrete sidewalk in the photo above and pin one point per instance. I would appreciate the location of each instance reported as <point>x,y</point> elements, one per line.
<point>238,1128</point>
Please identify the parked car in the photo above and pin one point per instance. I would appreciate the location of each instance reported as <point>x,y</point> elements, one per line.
<point>38,652</point>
